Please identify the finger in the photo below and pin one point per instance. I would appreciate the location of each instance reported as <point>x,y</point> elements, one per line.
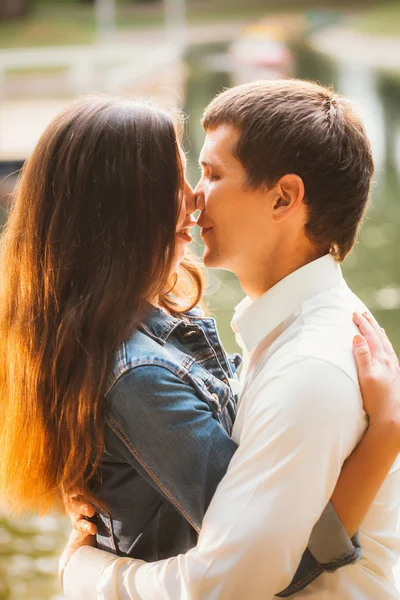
<point>389,350</point>
<point>78,509</point>
<point>86,527</point>
<point>385,342</point>
<point>371,337</point>
<point>362,355</point>
<point>87,510</point>
<point>77,539</point>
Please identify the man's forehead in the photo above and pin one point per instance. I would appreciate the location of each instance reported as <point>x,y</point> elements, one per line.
<point>218,146</point>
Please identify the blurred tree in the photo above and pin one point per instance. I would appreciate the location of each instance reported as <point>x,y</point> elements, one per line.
<point>13,8</point>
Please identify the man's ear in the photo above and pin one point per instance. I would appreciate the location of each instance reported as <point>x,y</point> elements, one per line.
<point>289,196</point>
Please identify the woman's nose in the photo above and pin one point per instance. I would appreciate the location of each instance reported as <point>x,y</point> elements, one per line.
<point>189,199</point>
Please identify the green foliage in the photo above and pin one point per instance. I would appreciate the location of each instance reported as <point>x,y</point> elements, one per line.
<point>383,19</point>
<point>63,22</point>
<point>47,26</point>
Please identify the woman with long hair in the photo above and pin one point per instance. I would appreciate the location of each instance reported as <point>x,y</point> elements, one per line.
<point>112,384</point>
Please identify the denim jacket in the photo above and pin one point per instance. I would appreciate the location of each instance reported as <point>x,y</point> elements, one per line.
<point>170,411</point>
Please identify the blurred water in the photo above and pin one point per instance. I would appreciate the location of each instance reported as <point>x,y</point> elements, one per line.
<point>29,550</point>
<point>29,547</point>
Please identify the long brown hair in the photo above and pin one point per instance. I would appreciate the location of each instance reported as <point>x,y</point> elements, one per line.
<point>90,238</point>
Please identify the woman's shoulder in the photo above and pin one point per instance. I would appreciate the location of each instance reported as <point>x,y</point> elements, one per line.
<point>151,345</point>
<point>139,351</point>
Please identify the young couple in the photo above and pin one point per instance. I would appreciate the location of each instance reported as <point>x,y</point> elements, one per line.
<point>114,384</point>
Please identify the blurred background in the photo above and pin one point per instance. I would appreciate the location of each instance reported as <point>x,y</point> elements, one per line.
<point>184,52</point>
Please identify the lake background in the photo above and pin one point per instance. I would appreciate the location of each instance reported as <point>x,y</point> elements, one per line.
<point>29,546</point>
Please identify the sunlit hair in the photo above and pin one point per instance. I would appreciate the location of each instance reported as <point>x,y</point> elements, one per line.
<point>89,240</point>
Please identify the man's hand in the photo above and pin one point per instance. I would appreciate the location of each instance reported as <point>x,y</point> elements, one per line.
<point>379,376</point>
<point>76,540</point>
<point>79,511</point>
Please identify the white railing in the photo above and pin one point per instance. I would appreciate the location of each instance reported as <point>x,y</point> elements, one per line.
<point>99,66</point>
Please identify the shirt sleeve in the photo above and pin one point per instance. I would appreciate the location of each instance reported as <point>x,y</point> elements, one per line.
<point>329,548</point>
<point>301,424</point>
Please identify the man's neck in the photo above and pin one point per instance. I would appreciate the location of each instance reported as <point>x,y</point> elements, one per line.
<point>261,277</point>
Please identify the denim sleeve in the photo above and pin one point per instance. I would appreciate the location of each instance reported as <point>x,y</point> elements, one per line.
<point>329,548</point>
<point>170,436</point>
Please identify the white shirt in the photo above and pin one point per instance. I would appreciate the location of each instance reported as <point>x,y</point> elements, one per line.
<point>299,418</point>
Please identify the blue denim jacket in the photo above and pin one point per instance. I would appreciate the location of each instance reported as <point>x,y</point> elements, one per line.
<point>170,412</point>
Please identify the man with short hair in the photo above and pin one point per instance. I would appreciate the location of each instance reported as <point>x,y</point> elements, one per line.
<point>286,173</point>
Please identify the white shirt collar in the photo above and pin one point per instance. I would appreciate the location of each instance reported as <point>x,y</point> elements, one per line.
<point>255,320</point>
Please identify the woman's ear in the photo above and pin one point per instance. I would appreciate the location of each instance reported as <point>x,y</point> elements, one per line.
<point>289,192</point>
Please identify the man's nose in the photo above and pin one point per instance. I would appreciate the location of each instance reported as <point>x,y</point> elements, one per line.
<point>189,199</point>
<point>200,203</point>
<point>199,187</point>
<point>199,196</point>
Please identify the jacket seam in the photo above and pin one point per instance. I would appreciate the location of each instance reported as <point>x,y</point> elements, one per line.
<point>291,589</point>
<point>120,433</point>
<point>180,371</point>
<point>165,333</point>
<point>350,555</point>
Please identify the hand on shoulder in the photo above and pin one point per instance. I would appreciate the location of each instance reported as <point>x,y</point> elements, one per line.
<point>379,375</point>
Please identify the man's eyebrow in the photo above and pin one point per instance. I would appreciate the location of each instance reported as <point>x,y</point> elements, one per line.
<point>208,163</point>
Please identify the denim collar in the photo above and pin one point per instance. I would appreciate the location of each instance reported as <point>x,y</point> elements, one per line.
<point>159,325</point>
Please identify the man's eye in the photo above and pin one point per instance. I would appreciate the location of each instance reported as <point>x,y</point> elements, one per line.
<point>213,177</point>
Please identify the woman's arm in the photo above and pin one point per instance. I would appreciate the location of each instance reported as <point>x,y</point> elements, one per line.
<point>380,386</point>
<point>366,469</point>
<point>162,426</point>
<point>354,492</point>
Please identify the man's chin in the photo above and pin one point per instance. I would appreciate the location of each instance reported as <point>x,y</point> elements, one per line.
<point>211,259</point>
